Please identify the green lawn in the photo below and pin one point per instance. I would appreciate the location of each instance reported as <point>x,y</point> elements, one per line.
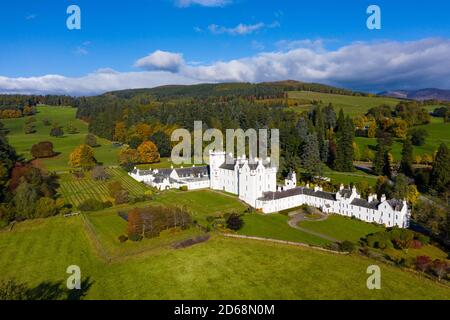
<point>341,228</point>
<point>348,178</point>
<point>75,191</point>
<point>275,226</point>
<point>40,251</point>
<point>352,105</point>
<point>202,203</point>
<point>105,153</point>
<point>438,132</point>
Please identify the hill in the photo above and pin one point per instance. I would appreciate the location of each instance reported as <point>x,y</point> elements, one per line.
<point>420,95</point>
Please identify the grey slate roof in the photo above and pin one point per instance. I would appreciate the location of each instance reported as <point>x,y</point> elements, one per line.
<point>297,191</point>
<point>365,204</point>
<point>346,193</point>
<point>396,204</point>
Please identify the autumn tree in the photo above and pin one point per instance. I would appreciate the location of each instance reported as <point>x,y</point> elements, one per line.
<point>56,131</point>
<point>120,132</point>
<point>82,157</point>
<point>128,157</point>
<point>148,152</point>
<point>43,149</point>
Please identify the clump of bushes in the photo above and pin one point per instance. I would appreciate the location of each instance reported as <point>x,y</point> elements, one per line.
<point>396,238</point>
<point>94,205</point>
<point>183,188</point>
<point>234,222</point>
<point>99,173</point>
<point>118,192</point>
<point>123,238</point>
<point>438,268</point>
<point>347,246</point>
<point>150,221</point>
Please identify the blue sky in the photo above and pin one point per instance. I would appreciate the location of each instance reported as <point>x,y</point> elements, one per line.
<point>219,40</point>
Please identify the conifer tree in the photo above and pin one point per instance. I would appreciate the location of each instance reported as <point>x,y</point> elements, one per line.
<point>407,157</point>
<point>440,174</point>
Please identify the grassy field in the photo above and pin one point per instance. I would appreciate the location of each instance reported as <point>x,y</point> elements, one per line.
<point>352,105</point>
<point>275,226</point>
<point>217,269</point>
<point>75,191</point>
<point>341,228</point>
<point>202,203</point>
<point>438,132</point>
<point>105,153</point>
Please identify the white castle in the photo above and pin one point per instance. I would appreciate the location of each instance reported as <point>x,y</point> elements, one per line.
<point>255,183</point>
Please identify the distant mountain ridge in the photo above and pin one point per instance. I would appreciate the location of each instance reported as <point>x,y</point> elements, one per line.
<point>421,94</point>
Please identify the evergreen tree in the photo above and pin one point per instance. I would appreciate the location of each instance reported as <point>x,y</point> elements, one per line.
<point>440,174</point>
<point>341,120</point>
<point>407,157</point>
<point>320,129</point>
<point>344,144</point>
<point>310,156</point>
<point>8,157</point>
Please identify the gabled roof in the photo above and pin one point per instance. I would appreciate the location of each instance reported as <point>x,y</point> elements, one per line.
<point>395,204</point>
<point>364,203</point>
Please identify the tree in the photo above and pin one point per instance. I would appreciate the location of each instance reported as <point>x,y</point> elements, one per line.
<point>57,131</point>
<point>114,187</point>
<point>12,290</point>
<point>46,207</point>
<point>413,194</point>
<point>148,152</point>
<point>235,222</point>
<point>418,136</point>
<point>43,149</point>
<point>372,130</point>
<point>120,132</point>
<point>135,141</point>
<point>99,173</point>
<point>440,173</point>
<point>128,158</point>
<point>25,199</point>
<point>162,141</point>
<point>401,187</point>
<point>310,156</point>
<point>91,140</point>
<point>29,128</point>
<point>71,129</point>
<point>441,268</point>
<point>344,145</point>
<point>423,263</point>
<point>407,157</point>
<point>82,157</point>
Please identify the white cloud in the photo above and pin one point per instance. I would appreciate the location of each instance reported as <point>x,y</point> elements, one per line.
<point>31,16</point>
<point>94,83</point>
<point>241,29</point>
<point>161,60</point>
<point>203,3</point>
<point>373,66</point>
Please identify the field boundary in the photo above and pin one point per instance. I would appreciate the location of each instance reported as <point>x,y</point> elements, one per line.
<point>292,243</point>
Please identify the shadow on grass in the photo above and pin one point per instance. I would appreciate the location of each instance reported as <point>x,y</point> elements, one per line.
<point>47,290</point>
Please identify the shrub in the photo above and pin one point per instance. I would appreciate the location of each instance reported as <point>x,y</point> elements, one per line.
<point>46,122</point>
<point>347,246</point>
<point>440,268</point>
<point>114,187</point>
<point>190,242</point>
<point>415,244</point>
<point>123,238</point>
<point>184,188</point>
<point>235,222</point>
<point>43,149</point>
<point>422,263</point>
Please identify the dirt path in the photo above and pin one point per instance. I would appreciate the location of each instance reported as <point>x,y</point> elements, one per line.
<point>297,217</point>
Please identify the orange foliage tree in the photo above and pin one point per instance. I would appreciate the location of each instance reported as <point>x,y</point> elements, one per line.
<point>82,157</point>
<point>148,152</point>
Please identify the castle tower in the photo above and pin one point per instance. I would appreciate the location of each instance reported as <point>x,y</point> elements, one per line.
<point>216,159</point>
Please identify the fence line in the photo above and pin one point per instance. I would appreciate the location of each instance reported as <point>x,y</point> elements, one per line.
<point>298,244</point>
